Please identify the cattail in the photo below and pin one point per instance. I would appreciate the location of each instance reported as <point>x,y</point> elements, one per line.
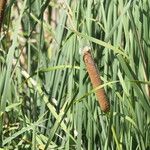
<point>2,7</point>
<point>95,79</point>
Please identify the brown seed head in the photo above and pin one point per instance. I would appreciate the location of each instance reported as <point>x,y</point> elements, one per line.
<point>95,79</point>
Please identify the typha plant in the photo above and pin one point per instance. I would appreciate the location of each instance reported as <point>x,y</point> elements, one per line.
<point>49,105</point>
<point>95,78</point>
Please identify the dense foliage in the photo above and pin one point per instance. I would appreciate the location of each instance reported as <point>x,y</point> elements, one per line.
<point>46,97</point>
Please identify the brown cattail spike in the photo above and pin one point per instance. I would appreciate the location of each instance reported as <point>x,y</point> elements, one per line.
<point>95,79</point>
<point>2,7</point>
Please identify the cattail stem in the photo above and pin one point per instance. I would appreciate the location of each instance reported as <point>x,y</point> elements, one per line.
<point>95,79</point>
<point>2,8</point>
